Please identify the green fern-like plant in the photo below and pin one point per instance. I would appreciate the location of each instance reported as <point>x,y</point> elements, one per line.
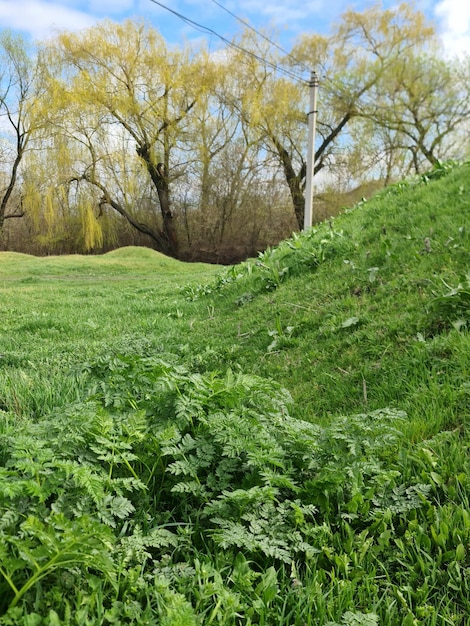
<point>223,454</point>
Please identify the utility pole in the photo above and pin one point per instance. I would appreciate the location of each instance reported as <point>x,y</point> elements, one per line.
<point>312,122</point>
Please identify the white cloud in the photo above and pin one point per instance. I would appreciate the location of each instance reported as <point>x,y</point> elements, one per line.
<point>39,18</point>
<point>291,12</point>
<point>454,25</point>
<point>108,7</point>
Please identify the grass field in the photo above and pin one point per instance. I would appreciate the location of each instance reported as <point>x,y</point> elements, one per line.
<point>282,442</point>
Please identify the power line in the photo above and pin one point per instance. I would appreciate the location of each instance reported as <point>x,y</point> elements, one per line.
<point>273,43</point>
<point>209,31</point>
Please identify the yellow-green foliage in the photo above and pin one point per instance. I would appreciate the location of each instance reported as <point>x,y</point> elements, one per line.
<point>91,228</point>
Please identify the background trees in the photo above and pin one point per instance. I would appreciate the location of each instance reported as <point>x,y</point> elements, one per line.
<point>203,156</point>
<point>141,93</point>
<point>19,86</point>
<point>424,106</point>
<point>363,63</point>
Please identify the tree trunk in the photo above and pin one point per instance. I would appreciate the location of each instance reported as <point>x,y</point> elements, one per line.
<point>160,181</point>
<point>11,184</point>
<point>293,180</point>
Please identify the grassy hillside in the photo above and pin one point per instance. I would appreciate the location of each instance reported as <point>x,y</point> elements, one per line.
<point>280,442</point>
<point>357,314</point>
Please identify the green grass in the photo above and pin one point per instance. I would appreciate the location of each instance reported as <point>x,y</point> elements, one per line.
<point>281,442</point>
<point>357,329</point>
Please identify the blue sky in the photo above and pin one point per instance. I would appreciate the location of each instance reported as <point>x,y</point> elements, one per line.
<point>39,18</point>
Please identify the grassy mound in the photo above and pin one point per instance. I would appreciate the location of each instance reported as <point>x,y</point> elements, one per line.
<point>120,263</point>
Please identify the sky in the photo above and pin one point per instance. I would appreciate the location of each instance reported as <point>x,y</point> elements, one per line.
<point>39,19</point>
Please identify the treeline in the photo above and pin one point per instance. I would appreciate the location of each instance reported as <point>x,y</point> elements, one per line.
<point>111,137</point>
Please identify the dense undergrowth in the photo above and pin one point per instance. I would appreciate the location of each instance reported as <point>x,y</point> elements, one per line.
<point>285,443</point>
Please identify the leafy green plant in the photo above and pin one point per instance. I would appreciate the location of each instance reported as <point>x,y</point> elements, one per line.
<point>41,548</point>
<point>356,619</point>
<point>258,479</point>
<point>440,169</point>
<point>281,337</point>
<point>302,252</point>
<point>453,307</point>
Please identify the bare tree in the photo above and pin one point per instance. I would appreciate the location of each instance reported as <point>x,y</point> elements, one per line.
<point>19,116</point>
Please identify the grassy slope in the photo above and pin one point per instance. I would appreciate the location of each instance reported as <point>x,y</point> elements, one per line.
<point>355,331</point>
<point>341,318</point>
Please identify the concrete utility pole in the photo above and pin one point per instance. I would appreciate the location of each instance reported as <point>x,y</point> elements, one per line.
<point>312,122</point>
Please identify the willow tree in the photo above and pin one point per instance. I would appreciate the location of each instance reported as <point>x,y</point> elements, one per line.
<point>271,108</point>
<point>424,103</point>
<point>19,84</point>
<point>63,212</point>
<point>365,48</point>
<point>137,93</point>
<point>350,64</point>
